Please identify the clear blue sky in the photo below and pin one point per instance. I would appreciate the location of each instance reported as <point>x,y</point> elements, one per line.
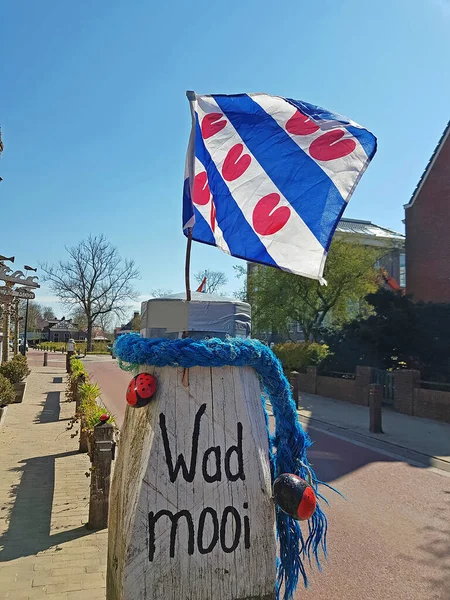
<point>95,120</point>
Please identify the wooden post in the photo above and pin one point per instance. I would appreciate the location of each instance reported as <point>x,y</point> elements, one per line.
<point>191,511</point>
<point>102,454</point>
<point>5,349</point>
<point>83,445</point>
<point>16,327</point>
<point>375,400</point>
<point>69,355</point>
<point>293,380</point>
<point>45,358</point>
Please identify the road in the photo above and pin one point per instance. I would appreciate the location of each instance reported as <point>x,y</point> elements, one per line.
<point>389,539</point>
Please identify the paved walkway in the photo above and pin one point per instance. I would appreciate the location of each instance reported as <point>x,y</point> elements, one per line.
<point>45,549</point>
<point>420,438</point>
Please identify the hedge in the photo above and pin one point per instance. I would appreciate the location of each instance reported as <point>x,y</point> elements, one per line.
<point>296,356</point>
<point>98,347</point>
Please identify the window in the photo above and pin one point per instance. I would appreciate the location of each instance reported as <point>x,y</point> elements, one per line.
<point>402,269</point>
<point>56,337</point>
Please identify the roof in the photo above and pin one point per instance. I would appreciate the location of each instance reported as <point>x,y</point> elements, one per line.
<point>367,228</point>
<point>65,325</point>
<point>429,166</point>
<point>198,297</point>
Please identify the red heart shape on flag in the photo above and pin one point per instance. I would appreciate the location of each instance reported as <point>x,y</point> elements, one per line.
<point>212,124</point>
<point>266,220</point>
<point>213,216</point>
<point>233,166</point>
<point>300,124</point>
<point>202,193</point>
<point>328,146</point>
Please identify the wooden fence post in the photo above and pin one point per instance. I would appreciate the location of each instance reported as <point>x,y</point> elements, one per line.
<point>69,355</point>
<point>375,400</point>
<point>293,380</point>
<point>83,446</point>
<point>102,454</point>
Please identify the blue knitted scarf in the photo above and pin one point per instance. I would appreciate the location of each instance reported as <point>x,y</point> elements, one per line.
<point>287,446</point>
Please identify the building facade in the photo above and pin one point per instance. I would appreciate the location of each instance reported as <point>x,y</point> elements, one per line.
<point>61,330</point>
<point>427,220</point>
<point>366,233</point>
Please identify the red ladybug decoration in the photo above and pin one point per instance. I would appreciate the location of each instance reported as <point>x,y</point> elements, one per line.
<point>294,496</point>
<point>140,389</point>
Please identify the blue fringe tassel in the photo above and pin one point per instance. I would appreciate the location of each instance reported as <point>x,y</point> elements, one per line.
<point>287,447</point>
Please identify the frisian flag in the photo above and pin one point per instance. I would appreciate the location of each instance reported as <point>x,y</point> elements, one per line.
<point>268,178</point>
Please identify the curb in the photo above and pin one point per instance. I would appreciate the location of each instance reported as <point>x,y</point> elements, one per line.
<point>418,459</point>
<point>412,456</point>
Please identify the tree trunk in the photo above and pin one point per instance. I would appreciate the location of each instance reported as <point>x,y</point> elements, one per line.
<point>89,346</point>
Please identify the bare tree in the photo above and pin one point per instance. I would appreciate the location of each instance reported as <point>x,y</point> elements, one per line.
<point>160,293</point>
<point>78,316</point>
<point>48,313</point>
<point>35,318</point>
<point>94,277</point>
<point>105,323</point>
<point>214,280</point>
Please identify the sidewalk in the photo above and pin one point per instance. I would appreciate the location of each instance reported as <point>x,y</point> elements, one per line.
<point>45,549</point>
<point>423,439</point>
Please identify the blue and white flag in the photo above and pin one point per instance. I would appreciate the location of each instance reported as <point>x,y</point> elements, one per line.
<point>268,178</point>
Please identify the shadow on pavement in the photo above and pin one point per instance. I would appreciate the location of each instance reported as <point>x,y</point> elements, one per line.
<point>51,410</point>
<point>30,518</point>
<point>433,552</point>
<point>332,457</point>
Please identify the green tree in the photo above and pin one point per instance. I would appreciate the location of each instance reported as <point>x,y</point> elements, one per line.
<point>279,298</point>
<point>399,334</point>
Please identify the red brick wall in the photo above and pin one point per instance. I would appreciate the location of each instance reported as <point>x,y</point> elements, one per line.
<point>306,383</point>
<point>432,404</point>
<point>340,389</point>
<point>428,234</point>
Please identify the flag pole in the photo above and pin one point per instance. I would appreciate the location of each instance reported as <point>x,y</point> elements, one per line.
<point>187,278</point>
<point>187,268</point>
<point>190,95</point>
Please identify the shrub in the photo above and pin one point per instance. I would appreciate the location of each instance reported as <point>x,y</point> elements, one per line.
<point>16,369</point>
<point>89,408</point>
<point>296,356</point>
<point>7,392</point>
<point>77,367</point>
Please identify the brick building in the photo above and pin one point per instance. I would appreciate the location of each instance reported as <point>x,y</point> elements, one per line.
<point>427,220</point>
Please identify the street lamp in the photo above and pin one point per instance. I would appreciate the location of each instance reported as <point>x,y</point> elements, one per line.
<point>24,351</point>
